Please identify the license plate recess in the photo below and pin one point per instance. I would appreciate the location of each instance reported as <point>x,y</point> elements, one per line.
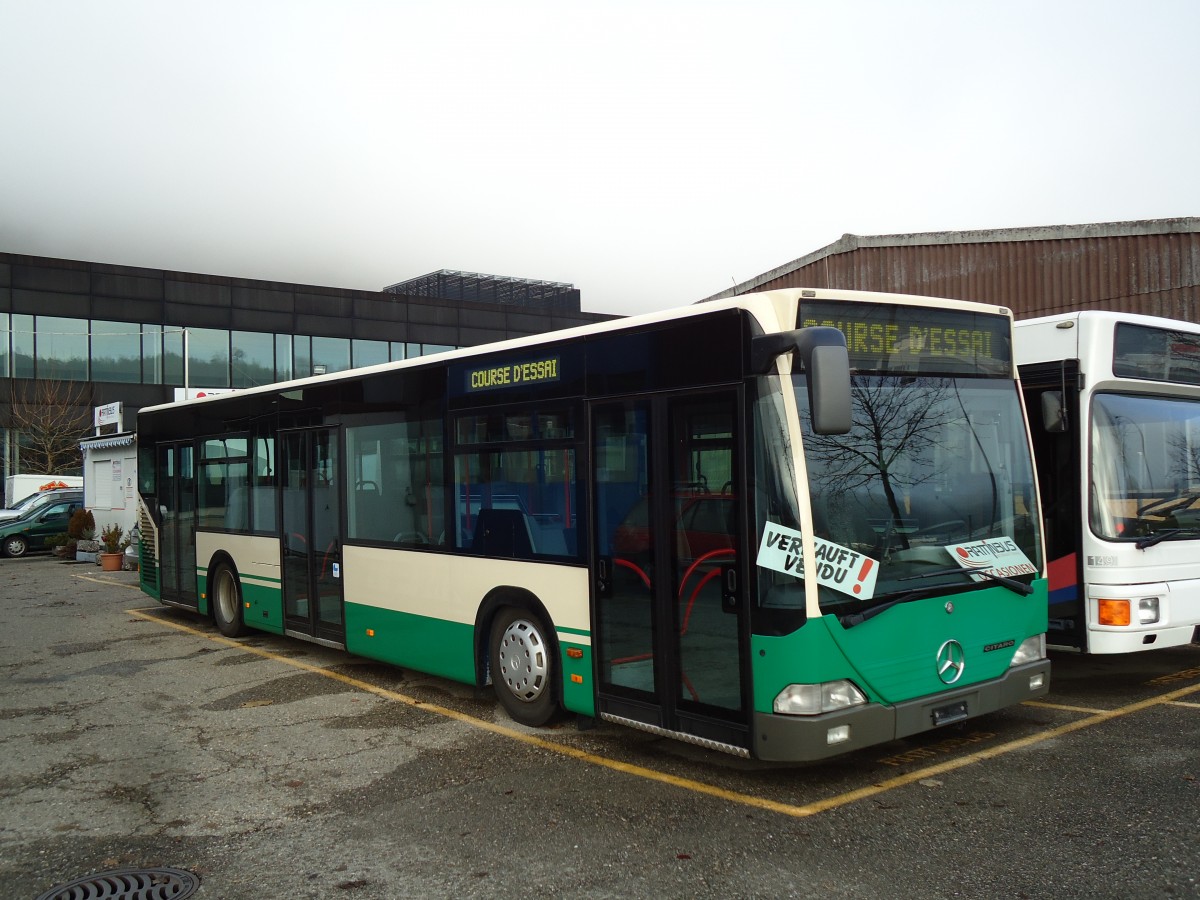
<point>951,712</point>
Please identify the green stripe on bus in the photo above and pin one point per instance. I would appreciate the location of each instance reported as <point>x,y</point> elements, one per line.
<point>263,579</point>
<point>404,639</point>
<point>582,632</point>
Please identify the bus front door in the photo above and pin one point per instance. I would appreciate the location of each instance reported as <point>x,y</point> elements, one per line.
<point>312,538</point>
<point>670,623</point>
<point>177,524</point>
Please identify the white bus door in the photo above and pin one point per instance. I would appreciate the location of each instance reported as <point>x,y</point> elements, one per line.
<point>670,624</point>
<point>312,539</point>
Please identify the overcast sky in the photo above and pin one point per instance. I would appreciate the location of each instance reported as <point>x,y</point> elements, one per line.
<point>650,153</point>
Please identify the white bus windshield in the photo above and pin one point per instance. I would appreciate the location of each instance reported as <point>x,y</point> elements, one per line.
<point>1145,479</point>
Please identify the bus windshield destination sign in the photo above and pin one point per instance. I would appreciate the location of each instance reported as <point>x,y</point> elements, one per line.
<point>1156,354</point>
<point>512,374</point>
<point>885,337</point>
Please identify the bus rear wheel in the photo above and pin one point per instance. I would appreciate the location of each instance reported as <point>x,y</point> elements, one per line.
<point>523,666</point>
<point>226,597</point>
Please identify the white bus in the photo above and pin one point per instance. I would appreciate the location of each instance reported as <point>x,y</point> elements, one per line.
<point>1115,404</point>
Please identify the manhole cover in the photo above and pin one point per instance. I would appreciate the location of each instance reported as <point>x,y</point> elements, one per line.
<point>128,884</point>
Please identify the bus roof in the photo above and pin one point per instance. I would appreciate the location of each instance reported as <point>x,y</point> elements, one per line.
<point>1101,316</point>
<point>766,305</point>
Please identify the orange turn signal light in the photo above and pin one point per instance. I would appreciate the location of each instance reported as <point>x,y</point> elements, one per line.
<point>1114,612</point>
<point>574,653</point>
<point>370,632</point>
<point>577,679</point>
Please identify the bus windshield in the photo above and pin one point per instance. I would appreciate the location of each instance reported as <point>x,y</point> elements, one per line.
<point>1145,467</point>
<point>933,480</point>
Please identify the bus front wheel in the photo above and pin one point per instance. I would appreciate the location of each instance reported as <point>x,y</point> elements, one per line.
<point>227,602</point>
<point>523,666</point>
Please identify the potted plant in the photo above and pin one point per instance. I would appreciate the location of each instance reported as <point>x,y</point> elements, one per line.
<point>113,551</point>
<point>82,530</point>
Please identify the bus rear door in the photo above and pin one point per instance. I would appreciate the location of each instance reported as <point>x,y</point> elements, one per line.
<point>312,537</point>
<point>177,524</point>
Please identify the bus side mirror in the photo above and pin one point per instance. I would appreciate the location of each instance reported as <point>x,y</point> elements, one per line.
<point>821,352</point>
<point>828,368</point>
<point>1054,413</point>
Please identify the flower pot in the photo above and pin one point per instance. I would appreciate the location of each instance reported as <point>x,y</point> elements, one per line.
<point>111,562</point>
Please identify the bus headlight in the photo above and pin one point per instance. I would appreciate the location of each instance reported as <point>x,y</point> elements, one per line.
<point>1031,650</point>
<point>813,699</point>
<point>1148,611</point>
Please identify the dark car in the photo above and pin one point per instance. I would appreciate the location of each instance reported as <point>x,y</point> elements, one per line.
<point>29,505</point>
<point>32,530</point>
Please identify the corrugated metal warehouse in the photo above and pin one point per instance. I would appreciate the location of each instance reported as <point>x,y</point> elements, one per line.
<point>1148,267</point>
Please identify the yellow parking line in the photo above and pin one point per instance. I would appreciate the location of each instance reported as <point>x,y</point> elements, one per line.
<point>1188,705</point>
<point>1181,675</point>
<point>105,581</point>
<point>787,809</point>
<point>1042,704</point>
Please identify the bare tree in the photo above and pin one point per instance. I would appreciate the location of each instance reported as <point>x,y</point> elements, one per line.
<point>898,420</point>
<point>1183,456</point>
<point>51,417</point>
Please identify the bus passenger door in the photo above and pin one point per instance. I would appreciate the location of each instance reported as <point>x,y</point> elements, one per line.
<point>177,524</point>
<point>312,539</point>
<point>670,622</point>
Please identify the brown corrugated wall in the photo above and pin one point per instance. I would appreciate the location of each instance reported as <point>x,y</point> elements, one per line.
<point>1150,274</point>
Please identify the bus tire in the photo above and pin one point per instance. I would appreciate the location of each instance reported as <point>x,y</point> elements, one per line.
<point>523,666</point>
<point>226,597</point>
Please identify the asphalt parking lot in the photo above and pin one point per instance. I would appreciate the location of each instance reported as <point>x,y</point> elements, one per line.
<point>134,735</point>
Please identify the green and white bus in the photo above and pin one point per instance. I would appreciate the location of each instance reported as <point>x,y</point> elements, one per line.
<point>785,525</point>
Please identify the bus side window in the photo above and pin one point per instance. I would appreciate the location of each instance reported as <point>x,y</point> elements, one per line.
<point>398,493</point>
<point>262,492</point>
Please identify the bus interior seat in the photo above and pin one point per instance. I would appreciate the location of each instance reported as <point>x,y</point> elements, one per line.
<point>237,509</point>
<point>551,539</point>
<point>502,532</point>
<point>371,518</point>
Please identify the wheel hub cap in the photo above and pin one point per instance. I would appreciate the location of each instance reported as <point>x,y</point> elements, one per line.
<point>523,660</point>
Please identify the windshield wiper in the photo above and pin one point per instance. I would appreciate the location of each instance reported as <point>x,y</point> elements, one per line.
<point>1159,536</point>
<point>849,621</point>
<point>1012,584</point>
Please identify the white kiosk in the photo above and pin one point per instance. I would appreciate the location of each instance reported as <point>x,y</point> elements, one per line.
<point>110,470</point>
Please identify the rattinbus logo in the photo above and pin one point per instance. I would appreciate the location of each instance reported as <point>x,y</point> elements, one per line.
<point>969,562</point>
<point>999,556</point>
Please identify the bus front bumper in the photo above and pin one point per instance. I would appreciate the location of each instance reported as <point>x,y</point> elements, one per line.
<point>807,738</point>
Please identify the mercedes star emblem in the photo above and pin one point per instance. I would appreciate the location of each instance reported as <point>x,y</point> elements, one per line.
<point>951,660</point>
